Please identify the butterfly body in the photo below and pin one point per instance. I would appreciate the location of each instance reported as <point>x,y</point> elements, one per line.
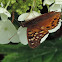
<point>37,28</point>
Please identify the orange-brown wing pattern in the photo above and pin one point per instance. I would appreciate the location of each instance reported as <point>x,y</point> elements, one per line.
<point>34,36</point>
<point>37,28</point>
<point>47,21</point>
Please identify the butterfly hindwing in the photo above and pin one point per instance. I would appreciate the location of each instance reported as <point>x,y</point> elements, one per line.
<point>35,35</point>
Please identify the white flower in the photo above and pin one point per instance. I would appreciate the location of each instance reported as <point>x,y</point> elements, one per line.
<point>56,6</point>
<point>4,11</point>
<point>4,14</point>
<point>49,2</point>
<point>22,32</point>
<point>28,16</point>
<point>8,32</point>
<point>58,2</point>
<point>1,4</point>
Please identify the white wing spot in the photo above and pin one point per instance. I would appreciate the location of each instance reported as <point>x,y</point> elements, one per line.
<point>37,37</point>
<point>40,35</point>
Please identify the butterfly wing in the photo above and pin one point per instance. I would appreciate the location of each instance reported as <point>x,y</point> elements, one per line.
<point>35,35</point>
<point>48,21</point>
<point>42,24</point>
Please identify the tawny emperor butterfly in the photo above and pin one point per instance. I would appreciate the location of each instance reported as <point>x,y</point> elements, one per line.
<point>38,27</point>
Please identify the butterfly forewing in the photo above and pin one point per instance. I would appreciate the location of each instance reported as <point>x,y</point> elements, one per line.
<point>48,21</point>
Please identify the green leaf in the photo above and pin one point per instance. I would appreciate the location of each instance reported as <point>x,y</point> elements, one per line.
<point>14,57</point>
<point>48,57</point>
<point>57,57</point>
<point>37,59</point>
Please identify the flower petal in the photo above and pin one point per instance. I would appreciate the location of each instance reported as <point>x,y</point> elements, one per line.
<point>2,4</point>
<point>7,30</point>
<point>58,2</point>
<point>33,15</point>
<point>3,10</point>
<point>22,32</point>
<point>3,17</point>
<point>28,16</point>
<point>55,7</point>
<point>49,2</point>
<point>23,16</point>
<point>44,38</point>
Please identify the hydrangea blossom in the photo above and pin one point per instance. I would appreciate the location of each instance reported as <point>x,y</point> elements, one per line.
<point>56,6</point>
<point>28,16</point>
<point>8,32</point>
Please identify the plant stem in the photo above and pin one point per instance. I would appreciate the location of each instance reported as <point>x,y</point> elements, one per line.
<point>12,17</point>
<point>33,5</point>
<point>7,4</point>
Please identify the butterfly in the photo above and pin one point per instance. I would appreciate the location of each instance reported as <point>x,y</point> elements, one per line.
<point>38,27</point>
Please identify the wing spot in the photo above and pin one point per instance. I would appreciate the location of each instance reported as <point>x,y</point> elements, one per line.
<point>40,35</point>
<point>29,39</point>
<point>37,37</point>
<point>41,31</point>
<point>32,43</point>
<point>52,25</point>
<point>42,27</point>
<point>32,39</point>
<point>34,35</point>
<point>55,18</point>
<point>29,32</point>
<point>48,27</point>
<point>52,22</point>
<point>45,32</point>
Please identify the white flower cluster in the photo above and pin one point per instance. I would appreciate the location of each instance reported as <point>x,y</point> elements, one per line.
<point>8,32</point>
<point>56,6</point>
